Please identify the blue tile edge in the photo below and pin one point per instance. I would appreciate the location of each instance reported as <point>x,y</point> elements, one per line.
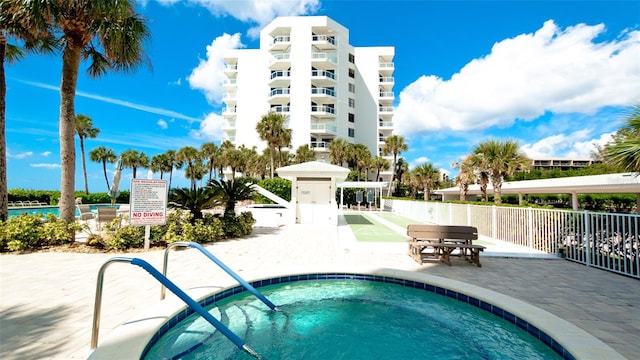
<point>499,312</point>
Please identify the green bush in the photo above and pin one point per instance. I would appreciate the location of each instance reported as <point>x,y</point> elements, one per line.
<point>278,186</point>
<point>28,231</point>
<point>125,237</point>
<point>237,226</point>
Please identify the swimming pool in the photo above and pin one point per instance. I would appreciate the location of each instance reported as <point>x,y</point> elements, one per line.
<point>131,339</point>
<point>46,210</point>
<point>332,316</point>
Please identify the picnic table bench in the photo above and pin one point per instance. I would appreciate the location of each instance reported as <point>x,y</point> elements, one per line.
<point>441,241</point>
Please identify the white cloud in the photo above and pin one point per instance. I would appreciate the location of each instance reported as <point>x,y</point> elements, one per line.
<point>21,155</point>
<point>524,77</point>
<point>46,166</point>
<point>418,161</point>
<point>163,124</point>
<point>210,128</point>
<point>259,12</point>
<point>45,153</point>
<point>577,145</point>
<point>209,76</point>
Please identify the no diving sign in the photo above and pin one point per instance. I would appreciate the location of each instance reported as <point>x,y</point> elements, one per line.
<point>148,202</point>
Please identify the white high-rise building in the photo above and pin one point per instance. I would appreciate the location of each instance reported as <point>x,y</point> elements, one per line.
<point>306,70</point>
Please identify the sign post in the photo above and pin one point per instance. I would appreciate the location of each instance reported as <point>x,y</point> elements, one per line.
<point>148,204</point>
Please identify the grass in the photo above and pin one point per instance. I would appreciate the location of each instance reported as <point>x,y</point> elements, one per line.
<point>366,229</point>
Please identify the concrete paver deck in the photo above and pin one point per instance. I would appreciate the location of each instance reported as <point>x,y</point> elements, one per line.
<point>46,299</point>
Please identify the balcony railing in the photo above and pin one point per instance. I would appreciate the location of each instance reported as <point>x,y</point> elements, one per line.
<point>324,38</point>
<point>323,109</point>
<point>386,123</point>
<point>320,145</point>
<point>386,65</point>
<point>281,39</point>
<point>603,240</point>
<point>280,109</point>
<point>281,57</point>
<point>320,56</point>
<point>279,91</point>
<point>323,91</point>
<point>385,109</point>
<point>323,127</point>
<point>386,79</point>
<point>279,74</point>
<point>323,73</point>
<point>386,94</point>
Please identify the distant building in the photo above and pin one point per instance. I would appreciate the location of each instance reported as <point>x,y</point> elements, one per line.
<point>561,163</point>
<point>306,70</point>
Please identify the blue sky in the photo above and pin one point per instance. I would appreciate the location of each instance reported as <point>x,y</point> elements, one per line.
<point>557,76</point>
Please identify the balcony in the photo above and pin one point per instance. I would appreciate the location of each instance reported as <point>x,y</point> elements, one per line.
<point>323,128</point>
<point>229,125</point>
<point>280,61</point>
<point>280,43</point>
<point>280,109</point>
<point>385,109</point>
<point>323,78</point>
<point>323,60</point>
<point>229,84</point>
<point>279,95</point>
<point>229,111</point>
<point>318,94</point>
<point>323,111</point>
<point>230,99</point>
<point>321,146</point>
<point>323,42</point>
<point>230,70</point>
<point>280,78</point>
<point>385,124</point>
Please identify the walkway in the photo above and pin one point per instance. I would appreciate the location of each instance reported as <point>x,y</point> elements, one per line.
<point>46,299</point>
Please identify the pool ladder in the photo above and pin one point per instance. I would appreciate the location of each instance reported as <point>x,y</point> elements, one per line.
<point>166,283</point>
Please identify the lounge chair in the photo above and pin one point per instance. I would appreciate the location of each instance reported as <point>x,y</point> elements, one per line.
<point>106,214</point>
<point>85,213</point>
<point>10,204</point>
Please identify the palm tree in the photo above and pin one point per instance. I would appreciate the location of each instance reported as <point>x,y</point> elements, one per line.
<point>103,155</point>
<point>304,154</point>
<point>360,156</point>
<point>502,158</point>
<point>380,163</point>
<point>161,163</point>
<point>211,153</point>
<point>192,157</point>
<point>225,148</point>
<point>465,177</point>
<point>134,159</point>
<point>32,33</point>
<point>193,200</point>
<point>624,149</point>
<point>234,160</point>
<point>170,157</point>
<point>85,130</point>
<point>108,33</point>
<point>480,167</point>
<point>339,151</point>
<point>232,191</point>
<point>427,175</point>
<point>271,129</point>
<point>394,145</point>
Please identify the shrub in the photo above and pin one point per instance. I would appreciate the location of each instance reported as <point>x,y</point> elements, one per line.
<point>237,226</point>
<point>32,231</point>
<point>278,186</point>
<point>125,237</point>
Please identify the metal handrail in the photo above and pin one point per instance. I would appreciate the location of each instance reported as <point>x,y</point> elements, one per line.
<point>220,264</point>
<point>176,290</point>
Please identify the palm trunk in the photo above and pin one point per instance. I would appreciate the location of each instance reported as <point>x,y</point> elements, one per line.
<point>4,194</point>
<point>70,66</point>
<point>104,169</point>
<point>84,167</point>
<point>393,174</point>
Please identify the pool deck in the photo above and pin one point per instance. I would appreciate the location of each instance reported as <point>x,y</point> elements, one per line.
<point>47,299</point>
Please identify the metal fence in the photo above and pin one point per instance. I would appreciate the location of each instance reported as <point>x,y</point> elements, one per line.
<point>603,240</point>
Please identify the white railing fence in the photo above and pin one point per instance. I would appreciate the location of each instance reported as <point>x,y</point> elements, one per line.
<point>603,240</point>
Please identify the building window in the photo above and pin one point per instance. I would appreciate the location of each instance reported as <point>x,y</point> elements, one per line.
<point>352,73</point>
<point>352,103</point>
<point>352,88</point>
<point>352,58</point>
<point>352,132</point>
<point>352,118</point>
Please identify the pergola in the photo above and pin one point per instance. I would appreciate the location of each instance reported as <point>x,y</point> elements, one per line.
<point>375,185</point>
<point>622,183</point>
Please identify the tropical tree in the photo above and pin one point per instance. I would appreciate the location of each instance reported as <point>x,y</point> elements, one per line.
<point>339,151</point>
<point>271,129</point>
<point>427,175</point>
<point>32,33</point>
<point>107,33</point>
<point>624,149</point>
<point>134,159</point>
<point>395,145</point>
<point>225,148</point>
<point>211,153</point>
<point>232,191</point>
<point>194,200</point>
<point>193,159</point>
<point>361,157</point>
<point>380,164</point>
<point>501,158</point>
<point>161,163</point>
<point>103,155</point>
<point>304,154</point>
<point>465,177</point>
<point>85,130</point>
<point>235,159</point>
<point>480,167</point>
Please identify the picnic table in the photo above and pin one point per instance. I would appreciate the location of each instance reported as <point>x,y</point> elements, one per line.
<point>440,241</point>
